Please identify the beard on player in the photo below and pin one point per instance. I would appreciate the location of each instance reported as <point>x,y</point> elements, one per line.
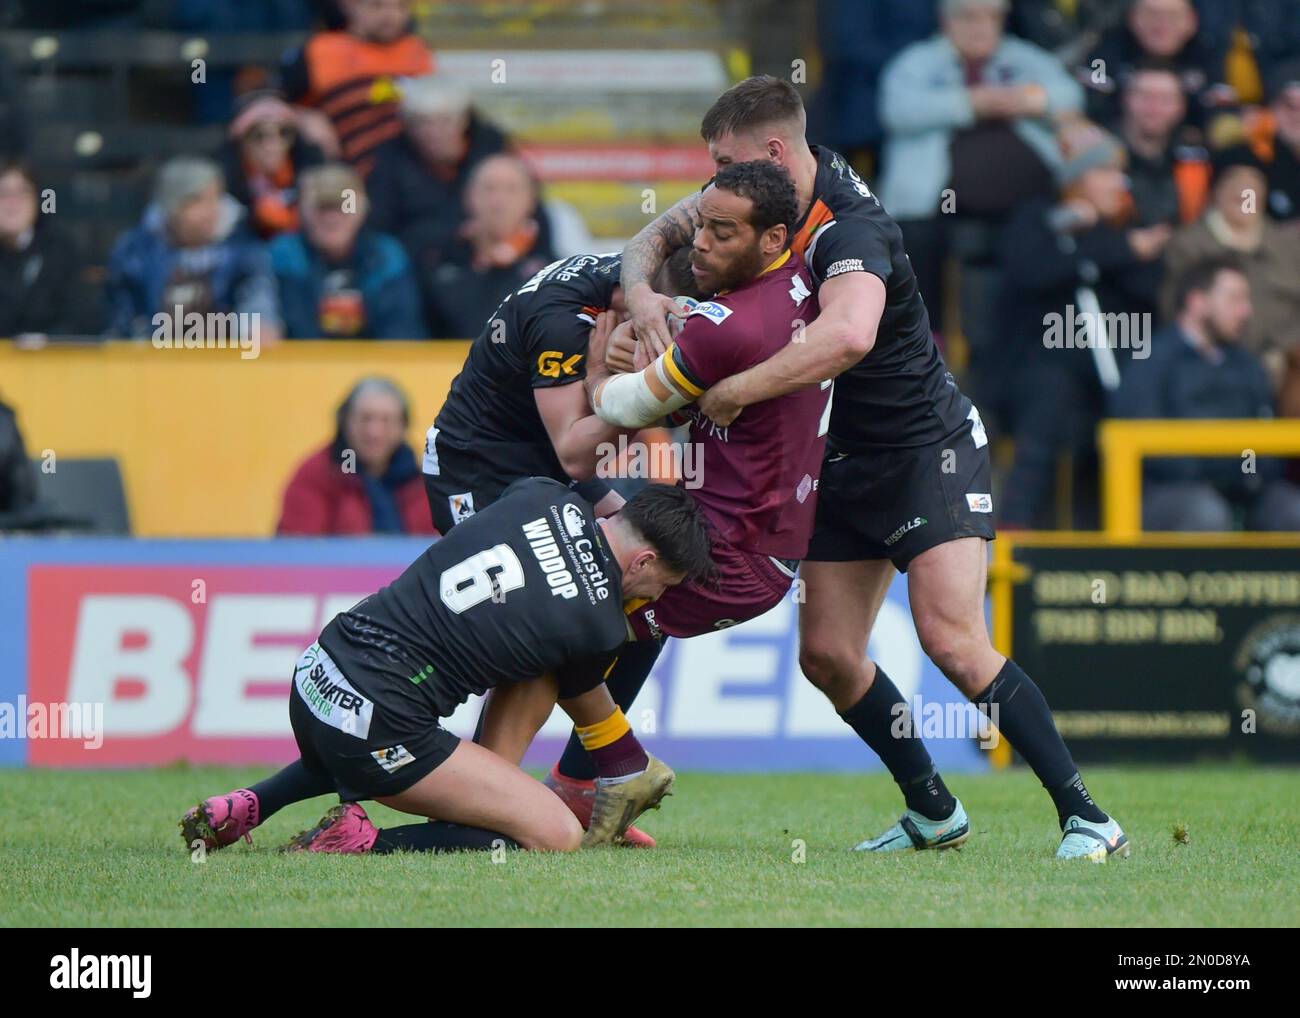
<point>715,272</point>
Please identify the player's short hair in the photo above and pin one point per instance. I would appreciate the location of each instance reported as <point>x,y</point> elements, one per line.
<point>753,103</point>
<point>676,276</point>
<point>1201,276</point>
<point>672,522</point>
<point>769,187</point>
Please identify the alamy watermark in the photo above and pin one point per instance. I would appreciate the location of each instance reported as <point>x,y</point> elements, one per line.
<point>35,720</point>
<point>943,720</point>
<point>663,460</point>
<point>1087,330</point>
<point>179,330</point>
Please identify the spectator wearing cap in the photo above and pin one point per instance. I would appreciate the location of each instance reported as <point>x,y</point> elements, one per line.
<point>338,278</point>
<point>351,75</point>
<point>1067,262</point>
<point>192,251</point>
<point>1153,30</point>
<point>418,185</point>
<point>40,265</point>
<point>1236,224</point>
<point>1198,370</point>
<point>1282,148</point>
<point>499,248</point>
<point>367,480</point>
<point>969,117</point>
<point>262,159</point>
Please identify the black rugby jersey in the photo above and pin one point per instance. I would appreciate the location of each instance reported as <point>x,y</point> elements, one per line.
<point>526,586</point>
<point>901,393</point>
<point>536,338</point>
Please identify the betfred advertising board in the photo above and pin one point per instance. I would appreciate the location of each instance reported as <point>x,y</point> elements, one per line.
<point>183,651</point>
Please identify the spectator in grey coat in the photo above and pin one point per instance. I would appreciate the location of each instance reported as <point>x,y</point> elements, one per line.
<point>971,83</point>
<point>970,119</point>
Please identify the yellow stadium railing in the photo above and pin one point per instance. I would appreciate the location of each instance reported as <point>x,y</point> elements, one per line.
<point>1124,444</point>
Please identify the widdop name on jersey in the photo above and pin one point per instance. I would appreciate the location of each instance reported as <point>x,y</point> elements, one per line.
<point>542,540</point>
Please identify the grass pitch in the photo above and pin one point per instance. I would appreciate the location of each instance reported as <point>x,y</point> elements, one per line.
<point>1211,847</point>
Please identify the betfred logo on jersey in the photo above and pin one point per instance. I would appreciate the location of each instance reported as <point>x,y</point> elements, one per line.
<point>189,662</point>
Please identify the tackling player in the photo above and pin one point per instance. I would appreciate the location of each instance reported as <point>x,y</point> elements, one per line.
<point>518,407</point>
<point>906,483</point>
<point>532,586</point>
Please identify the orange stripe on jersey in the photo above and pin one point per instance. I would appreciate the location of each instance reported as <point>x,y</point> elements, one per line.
<point>818,216</point>
<point>350,97</point>
<point>358,121</point>
<point>337,58</point>
<point>360,145</point>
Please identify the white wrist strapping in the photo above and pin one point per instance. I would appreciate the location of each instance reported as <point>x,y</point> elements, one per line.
<point>627,402</point>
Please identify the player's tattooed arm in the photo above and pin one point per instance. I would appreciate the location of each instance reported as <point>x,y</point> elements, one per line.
<point>841,335</point>
<point>643,257</point>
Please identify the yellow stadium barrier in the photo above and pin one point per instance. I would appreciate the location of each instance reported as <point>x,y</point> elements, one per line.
<point>1125,443</point>
<point>207,441</point>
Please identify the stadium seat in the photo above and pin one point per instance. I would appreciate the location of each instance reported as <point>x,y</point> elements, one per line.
<point>89,490</point>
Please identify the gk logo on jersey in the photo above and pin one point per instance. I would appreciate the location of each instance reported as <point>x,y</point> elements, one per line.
<point>552,362</point>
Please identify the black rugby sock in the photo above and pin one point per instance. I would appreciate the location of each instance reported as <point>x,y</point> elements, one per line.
<point>439,836</point>
<point>884,722</point>
<point>1018,709</point>
<point>635,663</point>
<point>292,784</point>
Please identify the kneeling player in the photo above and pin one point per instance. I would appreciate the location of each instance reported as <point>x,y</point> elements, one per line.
<point>533,586</point>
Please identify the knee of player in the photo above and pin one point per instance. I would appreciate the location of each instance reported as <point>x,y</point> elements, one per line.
<point>825,666</point>
<point>957,650</point>
<point>946,645</point>
<point>558,832</point>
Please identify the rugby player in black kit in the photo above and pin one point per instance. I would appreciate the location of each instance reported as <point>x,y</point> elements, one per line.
<point>531,589</point>
<point>905,483</point>
<point>518,408</point>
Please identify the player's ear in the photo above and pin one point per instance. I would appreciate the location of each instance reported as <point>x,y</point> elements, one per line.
<point>774,239</point>
<point>643,559</point>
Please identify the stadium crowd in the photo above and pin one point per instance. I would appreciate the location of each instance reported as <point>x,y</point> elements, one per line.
<point>1133,165</point>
